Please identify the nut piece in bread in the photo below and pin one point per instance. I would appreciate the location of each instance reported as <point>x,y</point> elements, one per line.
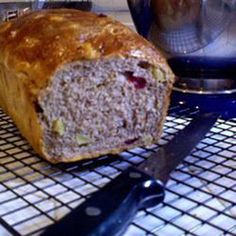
<point>79,85</point>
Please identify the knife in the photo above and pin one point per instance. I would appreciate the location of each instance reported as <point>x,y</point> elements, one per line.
<point>109,211</point>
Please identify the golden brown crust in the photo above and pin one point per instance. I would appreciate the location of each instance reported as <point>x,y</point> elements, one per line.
<point>34,46</point>
<point>39,42</point>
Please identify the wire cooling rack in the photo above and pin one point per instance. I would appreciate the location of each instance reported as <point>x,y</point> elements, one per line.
<point>200,197</point>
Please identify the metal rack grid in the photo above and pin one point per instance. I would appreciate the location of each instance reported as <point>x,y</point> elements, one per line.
<point>200,197</point>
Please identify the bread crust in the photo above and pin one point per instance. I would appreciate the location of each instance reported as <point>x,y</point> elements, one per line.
<point>35,46</point>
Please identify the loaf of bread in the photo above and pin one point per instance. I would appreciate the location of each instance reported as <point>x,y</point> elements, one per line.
<point>79,85</point>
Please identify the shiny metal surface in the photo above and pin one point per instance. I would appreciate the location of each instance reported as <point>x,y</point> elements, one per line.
<point>205,86</point>
<point>11,10</point>
<point>181,27</point>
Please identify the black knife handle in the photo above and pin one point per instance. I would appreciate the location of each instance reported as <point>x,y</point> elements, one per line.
<point>110,211</point>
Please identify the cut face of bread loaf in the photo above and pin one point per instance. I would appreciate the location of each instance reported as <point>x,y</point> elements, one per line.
<point>79,85</point>
<point>99,106</point>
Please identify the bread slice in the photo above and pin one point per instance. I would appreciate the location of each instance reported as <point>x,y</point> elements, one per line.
<point>79,85</point>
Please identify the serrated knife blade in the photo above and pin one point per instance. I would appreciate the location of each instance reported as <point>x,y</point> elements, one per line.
<point>160,164</point>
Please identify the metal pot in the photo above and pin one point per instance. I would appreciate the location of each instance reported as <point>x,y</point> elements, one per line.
<point>181,26</point>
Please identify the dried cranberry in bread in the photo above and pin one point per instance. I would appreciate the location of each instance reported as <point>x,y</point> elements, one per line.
<point>79,85</point>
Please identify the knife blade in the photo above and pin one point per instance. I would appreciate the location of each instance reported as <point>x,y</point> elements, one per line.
<point>110,210</point>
